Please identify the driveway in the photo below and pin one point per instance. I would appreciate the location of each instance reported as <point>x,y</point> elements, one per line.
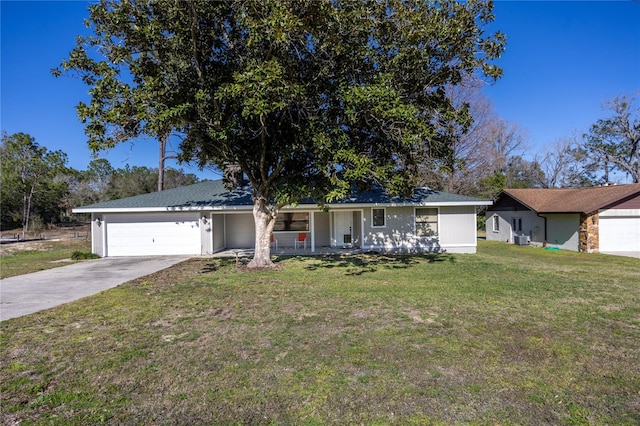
<point>29,293</point>
<point>623,253</point>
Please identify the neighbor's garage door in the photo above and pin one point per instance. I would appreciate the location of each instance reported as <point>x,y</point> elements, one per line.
<point>620,233</point>
<point>152,234</point>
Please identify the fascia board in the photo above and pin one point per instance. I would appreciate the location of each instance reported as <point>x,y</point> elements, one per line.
<point>160,209</point>
<point>297,207</point>
<point>433,204</point>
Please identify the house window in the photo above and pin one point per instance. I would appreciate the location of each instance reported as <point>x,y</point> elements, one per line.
<point>516,224</point>
<point>378,219</point>
<point>427,222</point>
<point>496,223</point>
<point>297,222</point>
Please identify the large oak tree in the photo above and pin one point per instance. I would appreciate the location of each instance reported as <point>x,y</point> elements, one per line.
<point>306,97</point>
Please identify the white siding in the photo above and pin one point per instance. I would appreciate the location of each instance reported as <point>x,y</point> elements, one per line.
<point>97,234</point>
<point>206,233</point>
<point>532,226</point>
<point>563,231</point>
<point>322,230</point>
<point>357,228</point>
<point>218,232</point>
<point>397,234</point>
<point>239,231</point>
<point>457,229</point>
<point>503,231</point>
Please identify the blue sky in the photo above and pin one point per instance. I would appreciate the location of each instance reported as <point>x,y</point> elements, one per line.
<point>564,59</point>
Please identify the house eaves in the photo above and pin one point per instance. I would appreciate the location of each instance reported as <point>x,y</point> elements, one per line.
<point>250,208</point>
<point>424,204</point>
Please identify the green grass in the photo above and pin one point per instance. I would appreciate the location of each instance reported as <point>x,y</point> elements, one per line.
<point>48,255</point>
<point>512,335</point>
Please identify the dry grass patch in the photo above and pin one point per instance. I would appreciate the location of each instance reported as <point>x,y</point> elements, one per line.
<point>512,335</point>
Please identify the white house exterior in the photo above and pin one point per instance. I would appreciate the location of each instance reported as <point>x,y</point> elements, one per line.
<point>596,219</point>
<point>206,218</point>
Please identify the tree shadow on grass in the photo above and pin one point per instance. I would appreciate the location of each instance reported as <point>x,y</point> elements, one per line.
<point>353,264</point>
<point>358,264</point>
<point>216,264</point>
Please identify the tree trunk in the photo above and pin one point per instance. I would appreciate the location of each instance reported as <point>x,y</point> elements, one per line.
<point>264,217</point>
<point>25,216</point>
<point>163,149</point>
<point>26,211</point>
<point>450,184</point>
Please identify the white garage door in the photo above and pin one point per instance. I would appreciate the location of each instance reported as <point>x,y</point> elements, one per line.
<point>619,234</point>
<point>152,234</point>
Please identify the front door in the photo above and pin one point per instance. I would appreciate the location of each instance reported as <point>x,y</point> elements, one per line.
<point>343,228</point>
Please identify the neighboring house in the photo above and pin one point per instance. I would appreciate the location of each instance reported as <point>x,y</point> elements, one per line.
<point>595,219</point>
<point>207,218</point>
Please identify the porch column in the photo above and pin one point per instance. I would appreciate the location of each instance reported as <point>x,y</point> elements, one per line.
<point>312,227</point>
<point>104,235</point>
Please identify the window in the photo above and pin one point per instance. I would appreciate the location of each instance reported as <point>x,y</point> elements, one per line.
<point>516,224</point>
<point>297,222</point>
<point>496,223</point>
<point>427,222</point>
<point>378,218</point>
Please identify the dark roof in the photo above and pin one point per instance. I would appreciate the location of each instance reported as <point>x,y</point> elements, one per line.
<point>419,196</point>
<point>213,194</point>
<point>208,193</point>
<point>571,200</point>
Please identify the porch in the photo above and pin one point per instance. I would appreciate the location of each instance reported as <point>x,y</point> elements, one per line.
<point>295,231</point>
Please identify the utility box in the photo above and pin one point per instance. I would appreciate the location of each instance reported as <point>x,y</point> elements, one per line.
<point>521,240</point>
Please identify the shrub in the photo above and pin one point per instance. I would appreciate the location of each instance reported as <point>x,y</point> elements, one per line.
<point>36,225</point>
<point>83,255</point>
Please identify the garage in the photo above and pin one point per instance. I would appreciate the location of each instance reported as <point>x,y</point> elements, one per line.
<point>152,234</point>
<point>619,233</point>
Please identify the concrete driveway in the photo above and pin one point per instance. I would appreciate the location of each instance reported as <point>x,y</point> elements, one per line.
<point>29,293</point>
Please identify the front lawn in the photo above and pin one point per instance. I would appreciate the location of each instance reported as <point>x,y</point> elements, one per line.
<point>26,257</point>
<point>512,335</point>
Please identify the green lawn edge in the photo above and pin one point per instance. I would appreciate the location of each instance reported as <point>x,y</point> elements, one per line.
<point>510,335</point>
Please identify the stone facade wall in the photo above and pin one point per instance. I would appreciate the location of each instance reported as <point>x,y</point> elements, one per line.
<point>589,234</point>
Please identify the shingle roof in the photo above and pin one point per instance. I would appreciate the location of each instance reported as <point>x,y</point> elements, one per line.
<point>213,194</point>
<point>419,196</point>
<point>208,193</point>
<point>572,200</point>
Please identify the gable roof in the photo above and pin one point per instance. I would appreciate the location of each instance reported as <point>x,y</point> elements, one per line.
<point>212,195</point>
<point>571,200</point>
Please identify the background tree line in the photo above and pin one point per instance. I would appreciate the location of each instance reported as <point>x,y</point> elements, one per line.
<point>38,188</point>
<point>491,154</point>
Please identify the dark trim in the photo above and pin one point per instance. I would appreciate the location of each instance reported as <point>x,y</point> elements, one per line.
<point>544,218</point>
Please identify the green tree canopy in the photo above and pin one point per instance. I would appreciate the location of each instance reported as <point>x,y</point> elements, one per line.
<point>101,182</point>
<point>306,97</point>
<point>613,143</point>
<point>135,180</point>
<point>28,180</point>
